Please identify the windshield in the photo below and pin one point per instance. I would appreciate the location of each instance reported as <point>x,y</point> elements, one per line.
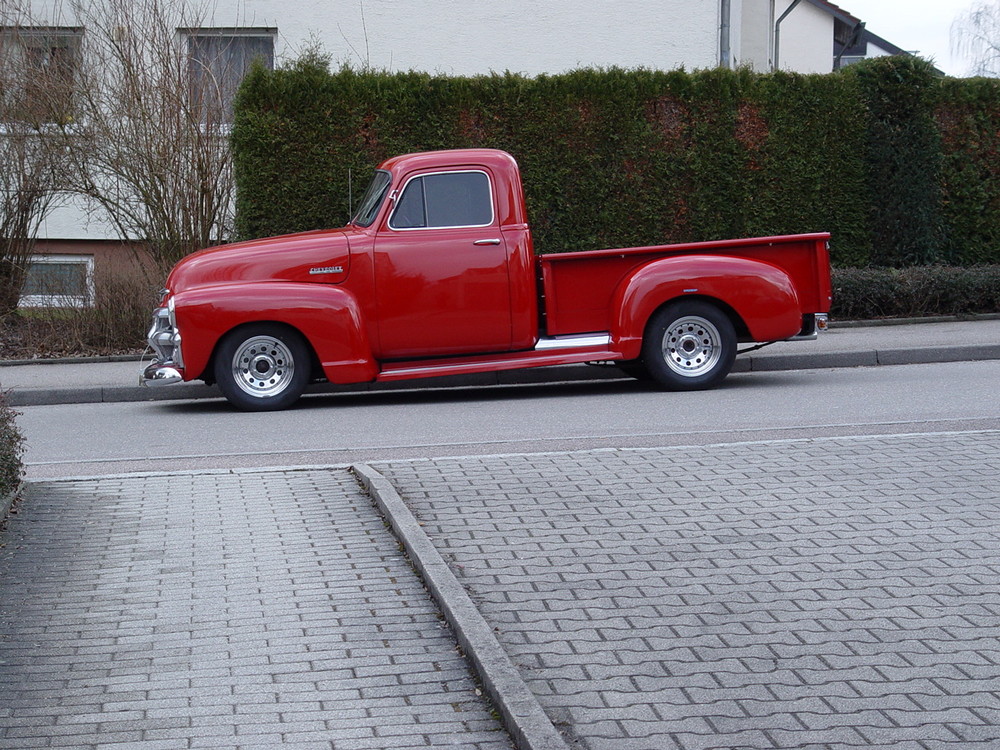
<point>372,199</point>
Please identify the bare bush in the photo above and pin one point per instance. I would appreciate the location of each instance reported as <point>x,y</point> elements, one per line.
<point>152,144</point>
<point>115,323</point>
<point>35,86</point>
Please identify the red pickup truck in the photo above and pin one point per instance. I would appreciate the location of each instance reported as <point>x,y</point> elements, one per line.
<point>436,275</point>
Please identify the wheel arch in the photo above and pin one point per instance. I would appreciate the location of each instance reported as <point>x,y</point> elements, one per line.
<point>328,318</point>
<point>759,298</point>
<point>742,332</point>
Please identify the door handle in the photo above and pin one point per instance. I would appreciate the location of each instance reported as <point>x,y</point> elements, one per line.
<point>487,242</point>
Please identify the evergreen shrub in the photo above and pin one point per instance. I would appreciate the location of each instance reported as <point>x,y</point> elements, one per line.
<point>609,158</point>
<point>11,451</point>
<point>872,293</point>
<point>901,166</point>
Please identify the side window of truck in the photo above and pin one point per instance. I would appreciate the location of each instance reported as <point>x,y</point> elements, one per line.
<point>447,199</point>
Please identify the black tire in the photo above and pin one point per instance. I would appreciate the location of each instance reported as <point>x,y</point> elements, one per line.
<point>262,367</point>
<point>689,345</point>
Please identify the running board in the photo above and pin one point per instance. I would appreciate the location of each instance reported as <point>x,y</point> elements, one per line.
<point>562,350</point>
<point>571,342</point>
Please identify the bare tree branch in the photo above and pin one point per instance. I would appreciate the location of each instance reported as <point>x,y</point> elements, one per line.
<point>975,34</point>
<point>34,94</point>
<point>148,147</point>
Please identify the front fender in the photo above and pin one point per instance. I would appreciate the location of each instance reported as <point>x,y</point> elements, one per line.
<point>761,294</point>
<point>328,317</point>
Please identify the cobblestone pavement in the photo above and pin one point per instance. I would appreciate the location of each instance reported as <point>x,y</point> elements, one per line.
<point>829,593</point>
<point>235,610</point>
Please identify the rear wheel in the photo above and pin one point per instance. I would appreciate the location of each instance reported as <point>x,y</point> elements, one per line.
<point>262,367</point>
<point>689,345</point>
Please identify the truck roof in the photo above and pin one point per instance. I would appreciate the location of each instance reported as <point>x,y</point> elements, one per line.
<point>459,157</point>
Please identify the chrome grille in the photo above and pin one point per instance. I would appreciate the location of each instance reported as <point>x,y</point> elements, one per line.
<point>162,337</point>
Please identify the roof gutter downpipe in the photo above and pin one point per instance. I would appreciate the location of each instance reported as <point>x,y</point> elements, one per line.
<point>777,31</point>
<point>725,48</point>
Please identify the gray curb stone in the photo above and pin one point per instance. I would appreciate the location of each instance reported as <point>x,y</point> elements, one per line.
<point>522,714</point>
<point>18,397</point>
<point>7,502</point>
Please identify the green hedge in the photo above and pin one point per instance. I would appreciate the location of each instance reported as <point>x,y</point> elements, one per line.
<point>967,113</point>
<point>870,293</point>
<point>899,165</point>
<point>903,160</point>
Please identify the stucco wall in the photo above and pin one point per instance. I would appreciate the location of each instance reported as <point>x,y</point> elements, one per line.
<point>469,37</point>
<point>73,219</point>
<point>806,43</point>
<point>466,37</point>
<point>875,51</point>
<point>757,26</point>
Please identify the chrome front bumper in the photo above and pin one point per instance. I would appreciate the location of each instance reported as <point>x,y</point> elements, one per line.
<point>165,341</point>
<point>156,374</point>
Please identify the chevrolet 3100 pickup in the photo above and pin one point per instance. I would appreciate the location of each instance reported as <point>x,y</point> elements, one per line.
<point>436,274</point>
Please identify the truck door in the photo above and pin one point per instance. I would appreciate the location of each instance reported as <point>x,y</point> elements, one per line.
<point>441,276</point>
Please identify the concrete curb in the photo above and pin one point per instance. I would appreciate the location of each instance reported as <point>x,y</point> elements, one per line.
<point>870,358</point>
<point>522,714</point>
<point>18,397</point>
<point>7,501</point>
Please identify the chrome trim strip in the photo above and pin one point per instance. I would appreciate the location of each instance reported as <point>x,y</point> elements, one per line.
<point>573,342</point>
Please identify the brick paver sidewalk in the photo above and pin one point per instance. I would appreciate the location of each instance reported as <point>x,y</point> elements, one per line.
<point>230,610</point>
<point>829,593</point>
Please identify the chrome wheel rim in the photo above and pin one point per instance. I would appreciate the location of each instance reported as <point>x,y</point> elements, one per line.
<point>692,346</point>
<point>263,366</point>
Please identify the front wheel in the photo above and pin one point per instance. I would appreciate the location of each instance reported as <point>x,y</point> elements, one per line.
<point>689,345</point>
<point>262,367</point>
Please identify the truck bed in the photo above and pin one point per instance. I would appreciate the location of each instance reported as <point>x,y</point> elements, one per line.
<point>578,287</point>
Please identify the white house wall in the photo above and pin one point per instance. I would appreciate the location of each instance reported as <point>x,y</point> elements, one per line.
<point>806,39</point>
<point>757,26</point>
<point>469,37</point>
<point>72,219</point>
<point>875,51</point>
<point>453,37</point>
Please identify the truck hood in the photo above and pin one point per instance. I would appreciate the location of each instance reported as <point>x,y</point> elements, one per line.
<point>317,257</point>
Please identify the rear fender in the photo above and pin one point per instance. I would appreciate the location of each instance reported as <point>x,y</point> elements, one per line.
<point>328,317</point>
<point>760,294</point>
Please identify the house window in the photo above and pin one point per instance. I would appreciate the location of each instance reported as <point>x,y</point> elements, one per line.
<point>40,67</point>
<point>218,59</point>
<point>59,281</point>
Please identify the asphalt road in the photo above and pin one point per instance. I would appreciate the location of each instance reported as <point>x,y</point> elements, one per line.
<point>95,439</point>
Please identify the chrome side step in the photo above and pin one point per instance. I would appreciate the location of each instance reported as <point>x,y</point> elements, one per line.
<point>573,341</point>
